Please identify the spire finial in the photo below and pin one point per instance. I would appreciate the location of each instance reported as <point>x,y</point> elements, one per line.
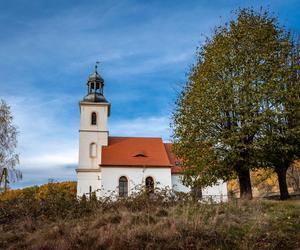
<point>96,66</point>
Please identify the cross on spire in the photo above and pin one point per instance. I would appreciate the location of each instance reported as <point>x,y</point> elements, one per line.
<point>96,66</point>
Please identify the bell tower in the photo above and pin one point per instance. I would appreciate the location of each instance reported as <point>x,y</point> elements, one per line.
<point>93,134</point>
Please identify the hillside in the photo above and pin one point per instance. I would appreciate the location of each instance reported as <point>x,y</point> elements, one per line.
<point>50,217</point>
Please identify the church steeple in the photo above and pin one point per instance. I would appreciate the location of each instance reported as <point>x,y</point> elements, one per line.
<point>95,86</point>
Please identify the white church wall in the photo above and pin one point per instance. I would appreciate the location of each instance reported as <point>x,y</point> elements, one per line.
<point>85,140</point>
<point>136,177</point>
<point>216,192</point>
<point>177,184</point>
<point>85,180</point>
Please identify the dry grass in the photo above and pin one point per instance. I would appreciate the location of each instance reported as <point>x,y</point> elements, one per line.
<point>61,222</point>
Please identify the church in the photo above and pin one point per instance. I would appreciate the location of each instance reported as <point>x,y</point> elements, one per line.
<point>117,166</point>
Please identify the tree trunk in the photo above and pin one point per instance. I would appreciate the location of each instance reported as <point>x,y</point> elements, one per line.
<point>197,193</point>
<point>4,178</point>
<point>294,174</point>
<point>284,192</point>
<point>245,184</point>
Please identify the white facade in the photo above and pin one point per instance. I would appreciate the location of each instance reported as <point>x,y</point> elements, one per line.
<point>177,184</point>
<point>88,182</point>
<point>136,177</point>
<point>217,192</point>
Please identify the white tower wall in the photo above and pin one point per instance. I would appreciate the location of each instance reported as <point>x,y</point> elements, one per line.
<point>91,139</point>
<point>88,181</point>
<point>89,134</point>
<point>86,110</point>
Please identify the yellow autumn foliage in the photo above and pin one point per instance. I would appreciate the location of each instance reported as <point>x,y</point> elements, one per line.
<point>265,181</point>
<point>41,192</point>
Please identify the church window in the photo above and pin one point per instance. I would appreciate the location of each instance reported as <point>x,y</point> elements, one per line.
<point>94,118</point>
<point>149,185</point>
<point>93,150</point>
<point>123,186</point>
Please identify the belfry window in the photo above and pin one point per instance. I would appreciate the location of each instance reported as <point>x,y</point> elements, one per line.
<point>93,150</point>
<point>123,186</point>
<point>94,118</point>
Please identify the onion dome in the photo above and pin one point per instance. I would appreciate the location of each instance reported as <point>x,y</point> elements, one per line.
<point>95,85</point>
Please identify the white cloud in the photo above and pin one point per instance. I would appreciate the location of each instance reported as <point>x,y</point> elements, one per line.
<point>62,157</point>
<point>33,176</point>
<point>70,41</point>
<point>142,126</point>
<point>152,63</point>
<point>43,140</point>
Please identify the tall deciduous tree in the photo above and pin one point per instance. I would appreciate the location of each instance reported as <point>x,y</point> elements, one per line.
<point>220,113</point>
<point>8,142</point>
<point>280,140</point>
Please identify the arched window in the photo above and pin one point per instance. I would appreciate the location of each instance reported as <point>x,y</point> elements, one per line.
<point>123,186</point>
<point>93,150</point>
<point>149,185</point>
<point>94,118</point>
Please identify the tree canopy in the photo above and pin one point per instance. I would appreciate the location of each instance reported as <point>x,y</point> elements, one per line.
<point>229,99</point>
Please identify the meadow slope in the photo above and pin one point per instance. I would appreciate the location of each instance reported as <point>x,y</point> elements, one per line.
<point>50,217</point>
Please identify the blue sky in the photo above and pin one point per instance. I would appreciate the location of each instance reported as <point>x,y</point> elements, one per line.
<point>48,49</point>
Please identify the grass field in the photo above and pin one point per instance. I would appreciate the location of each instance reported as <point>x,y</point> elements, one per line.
<point>50,217</point>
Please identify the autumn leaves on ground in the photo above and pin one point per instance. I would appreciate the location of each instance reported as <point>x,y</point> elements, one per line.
<point>50,217</point>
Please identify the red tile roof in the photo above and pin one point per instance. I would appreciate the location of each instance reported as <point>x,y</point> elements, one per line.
<point>173,159</point>
<point>135,151</point>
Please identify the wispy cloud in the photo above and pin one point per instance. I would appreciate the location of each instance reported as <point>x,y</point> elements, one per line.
<point>34,176</point>
<point>142,126</point>
<point>42,135</point>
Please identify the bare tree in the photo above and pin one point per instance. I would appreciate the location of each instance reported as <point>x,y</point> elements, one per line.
<point>9,159</point>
